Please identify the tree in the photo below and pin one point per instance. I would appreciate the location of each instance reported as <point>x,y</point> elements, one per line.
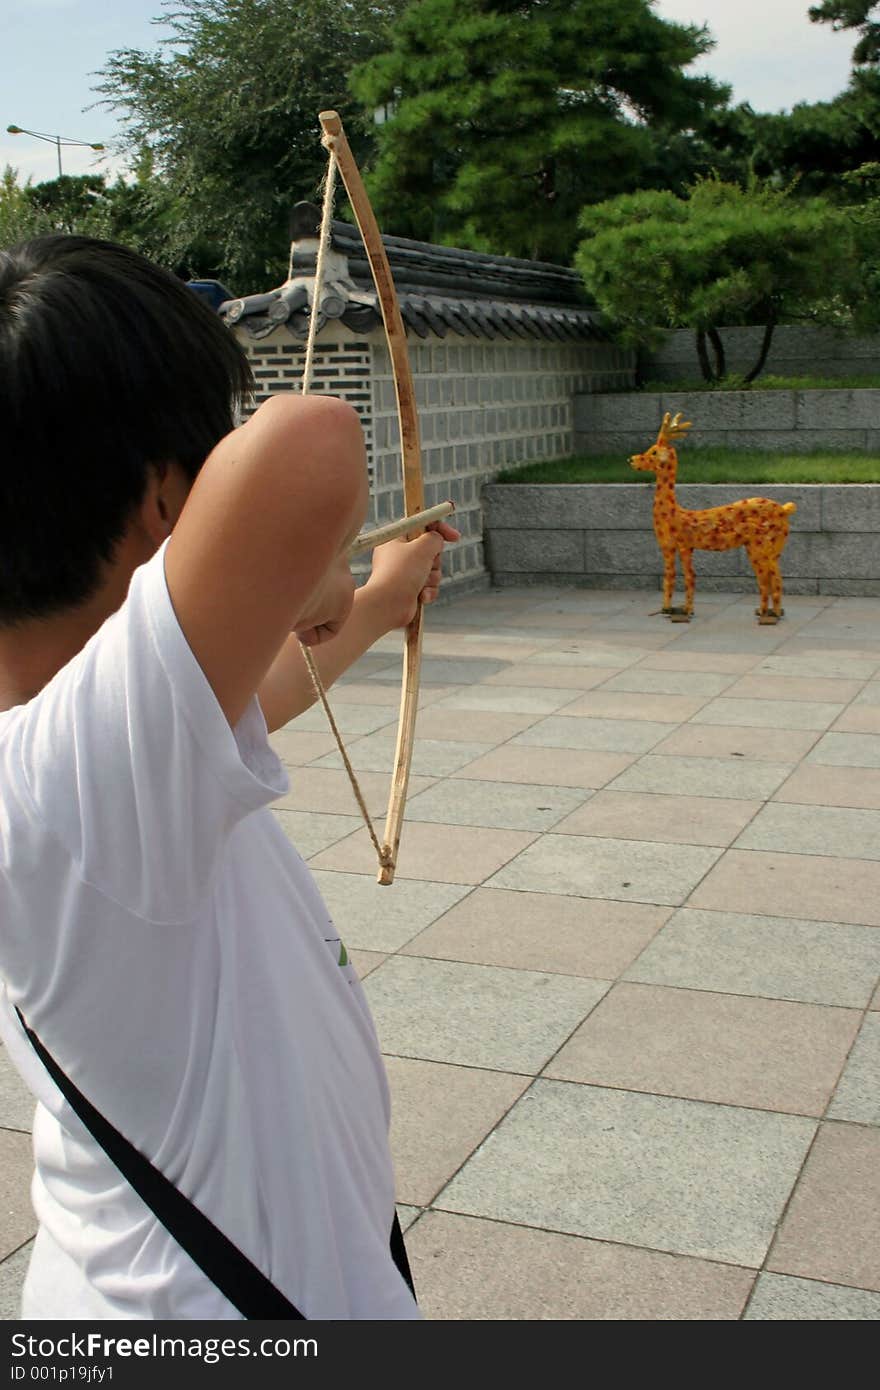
<point>722,256</point>
<point>506,116</point>
<point>227,109</point>
<point>19,218</point>
<point>863,15</point>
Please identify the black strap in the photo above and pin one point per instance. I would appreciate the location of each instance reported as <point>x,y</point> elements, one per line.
<point>245,1286</point>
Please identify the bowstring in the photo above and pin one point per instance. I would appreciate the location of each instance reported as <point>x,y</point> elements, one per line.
<point>383,852</point>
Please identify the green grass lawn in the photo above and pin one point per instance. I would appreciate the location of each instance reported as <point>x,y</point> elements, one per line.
<point>710,465</point>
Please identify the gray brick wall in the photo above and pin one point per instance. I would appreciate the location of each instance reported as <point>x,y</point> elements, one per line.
<point>627,422</point>
<point>602,536</point>
<point>795,351</point>
<point>483,406</point>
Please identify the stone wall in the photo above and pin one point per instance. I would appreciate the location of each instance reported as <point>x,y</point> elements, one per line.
<point>627,422</point>
<point>602,536</point>
<point>794,351</point>
<point>483,406</point>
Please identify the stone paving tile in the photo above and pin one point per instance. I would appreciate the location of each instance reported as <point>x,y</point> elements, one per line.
<point>502,646</point>
<point>436,853</point>
<point>603,704</point>
<point>370,918</point>
<point>834,830</point>
<point>546,766</point>
<point>589,867</point>
<point>771,957</point>
<point>329,790</point>
<point>768,714</point>
<point>440,1113</point>
<point>294,748</point>
<point>780,1298</point>
<point>831,1230</point>
<point>648,680</point>
<point>731,638</point>
<point>431,757</point>
<point>17,1220</point>
<point>12,1272</point>
<point>816,785</point>
<point>372,693</point>
<point>352,720</point>
<point>859,719</point>
<point>825,664</point>
<point>611,633</point>
<point>762,1053</point>
<point>469,1269</point>
<point>857,1097</point>
<point>695,740</point>
<point>720,663</point>
<point>508,700</point>
<point>310,831</point>
<point>793,885</point>
<point>444,670</point>
<point>589,654</point>
<point>16,1102</point>
<point>600,735</point>
<point>541,931</point>
<point>675,1175</point>
<point>745,779</point>
<point>685,820</point>
<point>495,804</point>
<point>790,688</point>
<point>847,750</point>
<point>561,677</point>
<point>489,727</point>
<point>476,1015</point>
<point>875,1002</point>
<point>869,694</point>
<point>406,1215</point>
<point>366,961</point>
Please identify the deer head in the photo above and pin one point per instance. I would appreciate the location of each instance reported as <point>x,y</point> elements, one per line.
<point>662,453</point>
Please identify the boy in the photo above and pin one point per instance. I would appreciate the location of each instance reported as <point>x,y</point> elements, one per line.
<point>158,933</point>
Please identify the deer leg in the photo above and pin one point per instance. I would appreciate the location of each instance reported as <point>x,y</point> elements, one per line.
<point>763,567</point>
<point>668,579</point>
<point>690,579</point>
<point>776,589</point>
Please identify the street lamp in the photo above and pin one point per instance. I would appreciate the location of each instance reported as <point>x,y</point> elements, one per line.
<point>56,140</point>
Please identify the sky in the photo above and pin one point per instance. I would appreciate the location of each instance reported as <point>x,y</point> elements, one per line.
<point>50,51</point>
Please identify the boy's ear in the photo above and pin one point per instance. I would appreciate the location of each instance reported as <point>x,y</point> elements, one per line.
<point>167,490</point>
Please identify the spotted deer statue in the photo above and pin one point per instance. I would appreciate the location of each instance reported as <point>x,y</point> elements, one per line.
<point>757,523</point>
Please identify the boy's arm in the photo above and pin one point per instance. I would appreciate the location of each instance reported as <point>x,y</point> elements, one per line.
<point>259,548</point>
<point>404,573</point>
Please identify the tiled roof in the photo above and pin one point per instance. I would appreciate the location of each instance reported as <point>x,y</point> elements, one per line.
<point>441,290</point>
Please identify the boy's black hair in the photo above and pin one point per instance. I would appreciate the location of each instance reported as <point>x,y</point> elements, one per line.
<point>108,367</point>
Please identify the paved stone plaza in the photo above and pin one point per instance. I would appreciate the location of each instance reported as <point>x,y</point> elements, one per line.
<point>627,978</point>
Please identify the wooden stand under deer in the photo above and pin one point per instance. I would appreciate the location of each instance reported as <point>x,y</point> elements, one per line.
<point>757,523</point>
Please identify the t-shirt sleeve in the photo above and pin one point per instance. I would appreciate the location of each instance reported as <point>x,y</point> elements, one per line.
<point>131,763</point>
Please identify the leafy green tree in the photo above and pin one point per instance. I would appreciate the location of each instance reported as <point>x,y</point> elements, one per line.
<point>19,218</point>
<point>506,116</point>
<point>722,256</point>
<point>227,107</point>
<point>863,15</point>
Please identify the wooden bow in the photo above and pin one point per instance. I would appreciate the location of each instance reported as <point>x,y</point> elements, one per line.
<point>334,140</point>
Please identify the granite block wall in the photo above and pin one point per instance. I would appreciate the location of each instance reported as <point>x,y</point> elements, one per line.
<point>483,405</point>
<point>602,536</point>
<point>627,422</point>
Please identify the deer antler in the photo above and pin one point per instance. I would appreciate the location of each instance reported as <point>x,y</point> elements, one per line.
<point>672,428</point>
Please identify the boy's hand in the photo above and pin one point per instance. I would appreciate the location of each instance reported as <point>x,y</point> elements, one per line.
<point>406,573</point>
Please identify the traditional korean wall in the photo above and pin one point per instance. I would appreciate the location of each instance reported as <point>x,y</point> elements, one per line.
<point>483,406</point>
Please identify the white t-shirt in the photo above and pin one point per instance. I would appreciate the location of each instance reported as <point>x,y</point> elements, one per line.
<point>168,946</point>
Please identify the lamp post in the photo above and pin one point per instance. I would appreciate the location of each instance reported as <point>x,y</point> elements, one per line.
<point>56,140</point>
